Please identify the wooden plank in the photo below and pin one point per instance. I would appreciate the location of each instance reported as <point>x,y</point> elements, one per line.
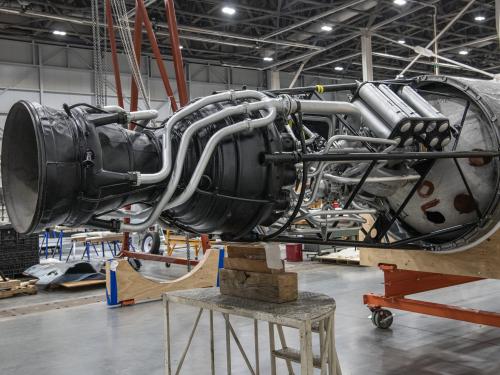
<point>28,289</point>
<point>83,283</point>
<point>481,261</point>
<point>256,252</point>
<point>131,285</point>
<point>10,284</point>
<point>345,256</point>
<point>251,265</point>
<point>278,287</point>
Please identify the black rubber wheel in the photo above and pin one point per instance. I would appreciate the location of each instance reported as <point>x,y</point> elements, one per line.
<point>167,265</point>
<point>382,318</point>
<point>135,263</point>
<point>151,243</point>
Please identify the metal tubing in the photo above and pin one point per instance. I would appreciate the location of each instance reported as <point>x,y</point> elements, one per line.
<point>176,53</point>
<point>210,148</point>
<point>330,107</point>
<point>356,138</point>
<point>167,195</point>
<point>422,106</point>
<point>311,89</point>
<point>380,103</point>
<point>349,180</point>
<point>148,114</point>
<point>157,53</point>
<point>114,54</point>
<point>397,100</point>
<point>295,157</point>
<point>371,120</point>
<point>176,117</point>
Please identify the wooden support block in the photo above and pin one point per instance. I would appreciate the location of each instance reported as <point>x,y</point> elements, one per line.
<point>10,284</point>
<point>130,285</point>
<point>480,261</point>
<point>29,289</point>
<point>251,265</point>
<point>83,283</point>
<point>256,252</point>
<point>269,287</point>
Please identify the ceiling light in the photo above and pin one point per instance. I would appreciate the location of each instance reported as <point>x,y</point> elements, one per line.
<point>463,52</point>
<point>400,2</point>
<point>59,32</point>
<point>338,68</point>
<point>228,10</point>
<point>181,47</point>
<point>401,41</point>
<point>326,28</point>
<point>479,18</point>
<point>268,58</point>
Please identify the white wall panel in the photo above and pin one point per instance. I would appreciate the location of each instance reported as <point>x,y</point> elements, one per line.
<point>55,100</point>
<point>8,98</point>
<point>18,52</point>
<point>19,77</point>
<point>55,79</point>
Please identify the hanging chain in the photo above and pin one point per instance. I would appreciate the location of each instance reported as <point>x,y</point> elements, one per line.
<point>97,55</point>
<point>122,23</point>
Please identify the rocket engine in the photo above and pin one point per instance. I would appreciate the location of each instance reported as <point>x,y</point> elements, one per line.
<point>410,163</point>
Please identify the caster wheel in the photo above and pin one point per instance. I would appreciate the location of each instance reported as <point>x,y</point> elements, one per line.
<point>167,265</point>
<point>135,263</point>
<point>382,318</point>
<point>151,243</point>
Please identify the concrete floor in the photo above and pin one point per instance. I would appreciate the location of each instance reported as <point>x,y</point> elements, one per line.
<point>95,339</point>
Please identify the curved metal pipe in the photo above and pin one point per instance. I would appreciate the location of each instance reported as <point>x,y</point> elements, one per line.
<point>163,173</point>
<point>176,174</point>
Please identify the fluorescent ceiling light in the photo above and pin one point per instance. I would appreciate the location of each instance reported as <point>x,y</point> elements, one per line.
<point>479,18</point>
<point>326,28</point>
<point>400,2</point>
<point>268,58</point>
<point>463,52</point>
<point>401,41</point>
<point>338,68</point>
<point>181,47</point>
<point>228,10</point>
<point>59,32</point>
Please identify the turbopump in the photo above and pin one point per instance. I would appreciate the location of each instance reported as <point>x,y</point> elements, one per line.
<point>408,163</point>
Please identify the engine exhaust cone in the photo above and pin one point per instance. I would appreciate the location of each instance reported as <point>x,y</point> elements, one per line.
<point>23,179</point>
<point>58,169</point>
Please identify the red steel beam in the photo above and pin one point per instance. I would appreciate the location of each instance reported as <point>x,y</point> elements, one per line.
<point>399,283</point>
<point>176,53</point>
<point>157,53</point>
<point>434,309</point>
<point>114,54</point>
<point>158,258</point>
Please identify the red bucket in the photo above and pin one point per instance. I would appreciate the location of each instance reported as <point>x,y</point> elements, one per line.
<point>294,252</point>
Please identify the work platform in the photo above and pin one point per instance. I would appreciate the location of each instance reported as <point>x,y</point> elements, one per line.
<point>311,312</point>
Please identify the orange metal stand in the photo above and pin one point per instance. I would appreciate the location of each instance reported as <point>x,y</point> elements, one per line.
<point>400,283</point>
